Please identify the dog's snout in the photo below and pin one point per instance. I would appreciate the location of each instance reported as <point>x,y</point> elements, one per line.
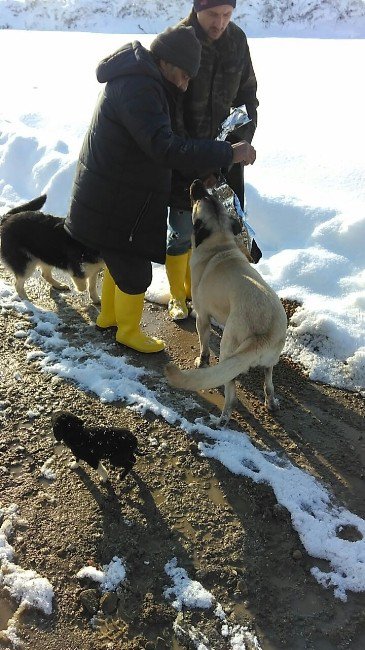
<point>197,190</point>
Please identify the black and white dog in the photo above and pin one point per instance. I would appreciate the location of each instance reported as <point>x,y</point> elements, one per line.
<point>30,239</point>
<point>94,444</point>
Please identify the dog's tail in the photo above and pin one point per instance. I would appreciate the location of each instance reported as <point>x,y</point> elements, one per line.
<point>247,356</point>
<point>31,206</point>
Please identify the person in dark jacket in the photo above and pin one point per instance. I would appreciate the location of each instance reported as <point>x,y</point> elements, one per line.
<point>123,176</point>
<point>225,79</point>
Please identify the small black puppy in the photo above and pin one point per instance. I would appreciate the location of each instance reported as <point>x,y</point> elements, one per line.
<point>94,444</point>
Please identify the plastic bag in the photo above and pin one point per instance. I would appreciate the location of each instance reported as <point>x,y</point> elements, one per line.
<point>238,117</point>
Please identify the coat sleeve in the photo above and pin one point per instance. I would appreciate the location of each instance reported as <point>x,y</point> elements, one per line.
<point>142,109</point>
<point>246,93</point>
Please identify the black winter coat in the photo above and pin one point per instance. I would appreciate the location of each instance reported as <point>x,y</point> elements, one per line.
<point>123,176</point>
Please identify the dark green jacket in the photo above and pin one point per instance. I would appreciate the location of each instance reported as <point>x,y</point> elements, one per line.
<point>225,79</point>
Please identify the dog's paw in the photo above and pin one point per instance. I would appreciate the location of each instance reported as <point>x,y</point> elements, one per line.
<point>211,421</point>
<point>202,420</point>
<point>21,295</point>
<point>272,404</point>
<point>60,287</point>
<point>103,474</point>
<point>219,422</point>
<point>202,362</point>
<point>214,421</point>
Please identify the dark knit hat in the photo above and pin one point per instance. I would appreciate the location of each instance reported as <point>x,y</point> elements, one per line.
<point>179,46</point>
<point>201,5</point>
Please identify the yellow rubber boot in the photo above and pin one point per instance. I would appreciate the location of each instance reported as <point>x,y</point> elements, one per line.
<point>187,282</point>
<point>176,266</point>
<point>128,311</point>
<point>106,317</point>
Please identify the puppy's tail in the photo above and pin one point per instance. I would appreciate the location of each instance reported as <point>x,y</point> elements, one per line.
<point>31,206</point>
<point>246,356</point>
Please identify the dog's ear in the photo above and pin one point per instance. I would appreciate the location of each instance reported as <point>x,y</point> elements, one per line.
<point>31,206</point>
<point>197,191</point>
<point>236,225</point>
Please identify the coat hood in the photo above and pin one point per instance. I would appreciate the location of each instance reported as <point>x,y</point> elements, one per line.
<point>131,58</point>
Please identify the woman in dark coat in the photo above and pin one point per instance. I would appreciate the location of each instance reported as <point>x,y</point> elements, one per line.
<point>123,177</point>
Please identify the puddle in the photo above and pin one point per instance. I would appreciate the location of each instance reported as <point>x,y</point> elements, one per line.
<point>348,532</point>
<point>16,470</point>
<point>216,495</point>
<point>158,497</point>
<point>58,449</point>
<point>24,426</point>
<point>214,398</point>
<point>309,605</point>
<point>214,491</point>
<point>190,478</point>
<point>7,610</point>
<point>19,468</point>
<point>184,527</point>
<point>267,642</point>
<point>240,607</point>
<point>46,482</point>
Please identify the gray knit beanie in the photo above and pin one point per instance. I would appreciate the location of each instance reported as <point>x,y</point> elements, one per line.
<point>178,46</point>
<point>201,5</point>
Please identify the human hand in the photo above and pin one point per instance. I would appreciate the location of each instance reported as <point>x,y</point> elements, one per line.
<point>210,181</point>
<point>243,152</point>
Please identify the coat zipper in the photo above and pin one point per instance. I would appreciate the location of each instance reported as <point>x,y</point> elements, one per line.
<point>140,217</point>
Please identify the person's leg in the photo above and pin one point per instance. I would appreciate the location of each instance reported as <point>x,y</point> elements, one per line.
<point>177,261</point>
<point>235,180</point>
<point>187,282</point>
<point>106,317</point>
<point>132,276</point>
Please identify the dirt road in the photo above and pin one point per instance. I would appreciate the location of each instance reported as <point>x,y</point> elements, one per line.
<point>227,532</point>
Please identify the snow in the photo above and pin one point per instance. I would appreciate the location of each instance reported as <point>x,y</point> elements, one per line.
<point>316,518</point>
<point>25,585</point>
<point>109,577</point>
<point>260,18</point>
<point>6,516</point>
<point>305,200</point>
<point>190,594</point>
<point>46,471</point>
<point>30,589</point>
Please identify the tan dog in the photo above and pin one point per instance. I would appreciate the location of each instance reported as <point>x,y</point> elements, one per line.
<point>227,288</point>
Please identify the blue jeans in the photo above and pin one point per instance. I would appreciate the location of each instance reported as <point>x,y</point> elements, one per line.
<point>179,231</point>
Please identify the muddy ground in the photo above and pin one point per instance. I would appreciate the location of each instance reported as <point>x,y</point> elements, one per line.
<point>227,532</point>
